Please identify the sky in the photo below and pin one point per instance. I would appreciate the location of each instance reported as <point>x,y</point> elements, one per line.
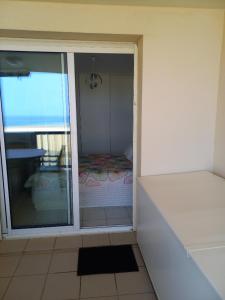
<point>40,99</point>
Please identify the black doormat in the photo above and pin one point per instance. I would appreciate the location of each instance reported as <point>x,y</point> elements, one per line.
<point>107,259</point>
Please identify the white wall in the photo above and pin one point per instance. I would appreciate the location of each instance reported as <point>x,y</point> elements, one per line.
<point>105,113</point>
<point>121,112</point>
<point>94,133</point>
<point>219,154</point>
<point>181,59</point>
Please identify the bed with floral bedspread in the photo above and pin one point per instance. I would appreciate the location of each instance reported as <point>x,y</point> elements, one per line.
<point>104,180</point>
<point>96,168</point>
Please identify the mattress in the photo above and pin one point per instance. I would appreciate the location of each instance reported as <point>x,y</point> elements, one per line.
<point>104,180</point>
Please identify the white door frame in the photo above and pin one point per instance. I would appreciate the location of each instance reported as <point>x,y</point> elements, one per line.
<point>71,48</point>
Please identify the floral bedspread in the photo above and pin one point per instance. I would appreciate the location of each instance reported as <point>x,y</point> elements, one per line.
<point>102,167</point>
<point>94,170</point>
<point>99,163</point>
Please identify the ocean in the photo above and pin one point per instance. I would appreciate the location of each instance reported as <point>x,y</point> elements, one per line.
<point>36,121</point>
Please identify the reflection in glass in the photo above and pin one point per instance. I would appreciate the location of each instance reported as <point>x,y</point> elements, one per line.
<point>35,108</point>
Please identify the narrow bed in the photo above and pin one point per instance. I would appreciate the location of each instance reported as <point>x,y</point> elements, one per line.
<point>104,180</point>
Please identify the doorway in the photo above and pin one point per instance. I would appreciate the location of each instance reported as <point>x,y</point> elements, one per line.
<point>52,147</point>
<point>104,97</point>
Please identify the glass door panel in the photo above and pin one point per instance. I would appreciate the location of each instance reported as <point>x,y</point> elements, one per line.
<point>104,98</point>
<point>36,124</point>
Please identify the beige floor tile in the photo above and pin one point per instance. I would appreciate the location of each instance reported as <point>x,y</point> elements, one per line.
<point>116,212</point>
<point>40,244</point>
<point>12,246</point>
<point>103,298</point>
<point>138,256</point>
<point>94,223</point>
<point>64,262</point>
<point>138,297</point>
<point>68,242</point>
<point>119,221</point>
<point>92,213</point>
<point>98,286</point>
<point>133,282</point>
<point>94,240</point>
<point>25,288</point>
<point>3,285</point>
<point>123,238</point>
<point>8,265</point>
<point>32,264</point>
<point>62,286</point>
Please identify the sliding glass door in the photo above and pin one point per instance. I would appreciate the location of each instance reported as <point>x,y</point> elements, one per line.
<point>56,149</point>
<point>36,151</point>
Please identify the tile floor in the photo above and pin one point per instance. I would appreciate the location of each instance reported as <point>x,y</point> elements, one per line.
<point>45,269</point>
<point>25,215</point>
<point>106,216</point>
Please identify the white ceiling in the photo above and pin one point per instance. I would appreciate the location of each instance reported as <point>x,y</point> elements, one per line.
<point>167,3</point>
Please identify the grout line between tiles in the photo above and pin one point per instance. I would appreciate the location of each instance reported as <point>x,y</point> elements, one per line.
<point>26,244</point>
<point>117,292</point>
<point>17,266</point>
<point>51,251</point>
<point>49,266</point>
<point>24,250</point>
<point>145,293</point>
<point>10,280</point>
<point>79,287</point>
<point>11,277</point>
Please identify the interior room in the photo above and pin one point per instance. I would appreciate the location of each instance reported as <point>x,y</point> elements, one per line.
<point>112,121</point>
<point>104,85</point>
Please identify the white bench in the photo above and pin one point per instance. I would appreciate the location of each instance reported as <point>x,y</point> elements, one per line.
<point>181,233</point>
